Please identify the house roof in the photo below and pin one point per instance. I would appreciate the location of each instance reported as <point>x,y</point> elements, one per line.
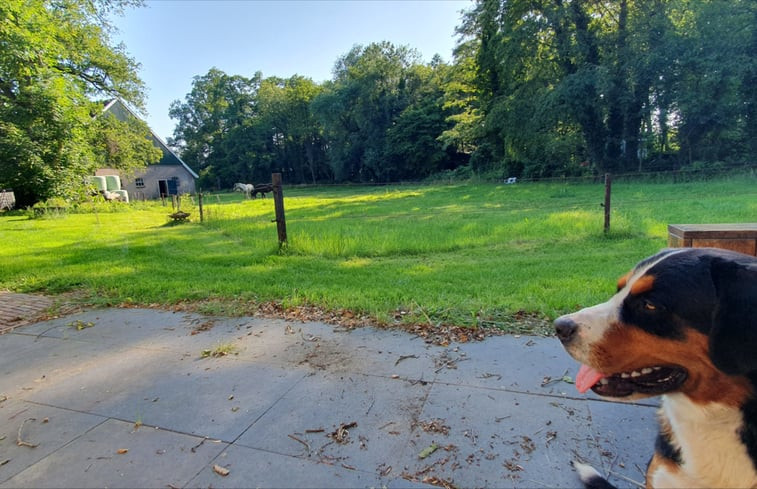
<point>116,105</point>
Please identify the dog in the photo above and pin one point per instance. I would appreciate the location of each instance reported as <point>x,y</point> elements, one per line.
<point>682,325</point>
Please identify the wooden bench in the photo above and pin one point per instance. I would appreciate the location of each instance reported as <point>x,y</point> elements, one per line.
<point>741,237</point>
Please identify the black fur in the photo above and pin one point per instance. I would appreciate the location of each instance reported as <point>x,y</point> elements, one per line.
<point>733,339</point>
<point>749,430</point>
<point>665,448</point>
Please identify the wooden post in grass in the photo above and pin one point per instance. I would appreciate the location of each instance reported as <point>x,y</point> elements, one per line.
<point>608,187</point>
<point>199,203</point>
<point>278,203</point>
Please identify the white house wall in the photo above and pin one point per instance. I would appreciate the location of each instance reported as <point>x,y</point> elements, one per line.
<point>151,176</point>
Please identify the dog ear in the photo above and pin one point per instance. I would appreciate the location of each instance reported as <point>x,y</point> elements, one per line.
<point>733,337</point>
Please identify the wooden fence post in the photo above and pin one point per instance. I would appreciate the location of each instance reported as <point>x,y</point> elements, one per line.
<point>199,203</point>
<point>278,202</point>
<point>608,192</point>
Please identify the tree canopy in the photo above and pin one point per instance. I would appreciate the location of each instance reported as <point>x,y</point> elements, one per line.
<point>56,61</point>
<point>535,88</point>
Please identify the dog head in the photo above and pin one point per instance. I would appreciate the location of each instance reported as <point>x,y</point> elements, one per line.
<point>683,320</point>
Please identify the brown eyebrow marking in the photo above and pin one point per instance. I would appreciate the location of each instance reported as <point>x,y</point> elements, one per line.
<point>643,284</point>
<point>622,281</point>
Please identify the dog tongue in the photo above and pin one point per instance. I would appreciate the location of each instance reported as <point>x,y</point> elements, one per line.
<point>586,378</point>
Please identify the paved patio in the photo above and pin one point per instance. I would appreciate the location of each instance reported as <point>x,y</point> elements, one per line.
<point>146,398</point>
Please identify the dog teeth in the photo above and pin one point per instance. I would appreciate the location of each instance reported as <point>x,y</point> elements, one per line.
<point>604,381</point>
<point>639,373</point>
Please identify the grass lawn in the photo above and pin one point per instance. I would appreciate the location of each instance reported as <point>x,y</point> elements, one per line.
<point>459,254</point>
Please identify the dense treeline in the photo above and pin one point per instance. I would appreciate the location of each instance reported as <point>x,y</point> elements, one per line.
<point>537,88</point>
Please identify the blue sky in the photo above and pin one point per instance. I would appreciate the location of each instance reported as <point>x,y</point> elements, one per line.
<point>175,40</point>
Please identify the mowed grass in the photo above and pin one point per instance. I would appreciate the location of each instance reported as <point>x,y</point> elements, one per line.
<point>455,254</point>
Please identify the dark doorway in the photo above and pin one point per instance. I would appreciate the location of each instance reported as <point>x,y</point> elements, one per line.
<point>163,188</point>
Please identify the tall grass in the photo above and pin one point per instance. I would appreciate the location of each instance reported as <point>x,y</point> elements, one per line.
<point>458,253</point>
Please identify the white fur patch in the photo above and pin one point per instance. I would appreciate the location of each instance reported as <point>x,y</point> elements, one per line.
<point>708,437</point>
<point>586,472</point>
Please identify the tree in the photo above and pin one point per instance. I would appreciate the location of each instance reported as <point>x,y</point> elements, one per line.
<point>286,104</point>
<point>218,106</point>
<point>383,114</point>
<point>57,58</point>
<point>560,82</point>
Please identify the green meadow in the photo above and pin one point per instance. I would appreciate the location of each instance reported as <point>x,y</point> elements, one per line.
<point>448,254</point>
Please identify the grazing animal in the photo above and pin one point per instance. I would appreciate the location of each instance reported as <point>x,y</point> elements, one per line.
<point>246,188</point>
<point>262,189</point>
<point>682,325</point>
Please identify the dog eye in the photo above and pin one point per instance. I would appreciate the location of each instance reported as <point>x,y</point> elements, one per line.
<point>649,306</point>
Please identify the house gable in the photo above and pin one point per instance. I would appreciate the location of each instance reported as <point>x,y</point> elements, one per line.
<point>169,176</point>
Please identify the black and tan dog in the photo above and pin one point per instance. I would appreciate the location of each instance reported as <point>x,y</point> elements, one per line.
<point>683,325</point>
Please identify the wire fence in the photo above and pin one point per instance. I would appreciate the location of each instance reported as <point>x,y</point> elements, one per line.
<point>582,201</point>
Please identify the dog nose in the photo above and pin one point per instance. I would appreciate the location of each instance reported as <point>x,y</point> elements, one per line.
<point>565,328</point>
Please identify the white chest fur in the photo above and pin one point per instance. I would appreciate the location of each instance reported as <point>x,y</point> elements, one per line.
<point>708,437</point>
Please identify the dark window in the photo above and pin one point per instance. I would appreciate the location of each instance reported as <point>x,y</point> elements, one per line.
<point>139,182</point>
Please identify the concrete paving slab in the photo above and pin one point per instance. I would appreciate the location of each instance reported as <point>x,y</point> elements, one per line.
<point>28,362</point>
<point>30,432</point>
<point>516,363</point>
<point>213,397</point>
<point>372,352</point>
<point>497,438</point>
<point>497,410</point>
<point>306,421</point>
<point>140,328</point>
<point>249,467</point>
<point>114,455</point>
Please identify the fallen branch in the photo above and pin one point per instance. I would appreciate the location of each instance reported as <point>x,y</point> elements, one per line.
<point>20,441</point>
<point>404,357</point>
<point>303,442</point>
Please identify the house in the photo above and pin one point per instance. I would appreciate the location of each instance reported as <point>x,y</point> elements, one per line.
<point>169,176</point>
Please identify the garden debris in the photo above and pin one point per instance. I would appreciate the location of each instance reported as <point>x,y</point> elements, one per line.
<point>80,325</point>
<point>434,426</point>
<point>438,334</point>
<point>310,338</point>
<point>446,360</point>
<point>404,357</point>
<point>341,434</point>
<point>301,441</point>
<point>489,376</point>
<point>122,451</point>
<point>437,481</point>
<point>202,325</point>
<point>20,441</point>
<point>512,465</point>
<point>222,471</point>
<point>548,380</point>
<point>428,451</point>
